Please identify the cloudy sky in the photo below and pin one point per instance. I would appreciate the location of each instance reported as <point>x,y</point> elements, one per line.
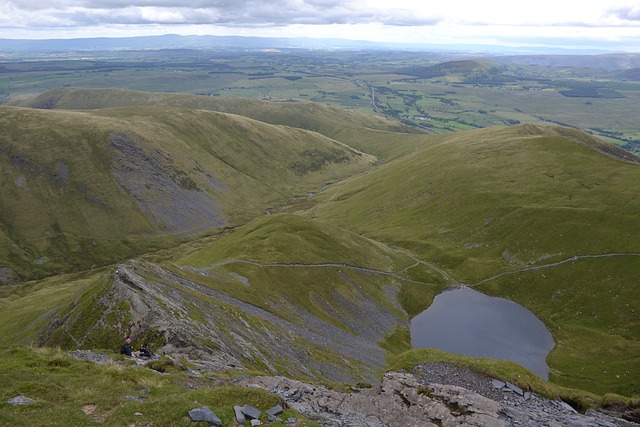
<point>608,24</point>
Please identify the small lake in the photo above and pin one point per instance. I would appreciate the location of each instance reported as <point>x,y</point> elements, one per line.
<point>465,321</point>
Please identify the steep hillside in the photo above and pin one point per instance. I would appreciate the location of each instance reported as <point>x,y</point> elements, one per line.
<point>477,188</point>
<point>80,189</point>
<point>316,117</point>
<point>322,286</point>
<point>545,216</point>
<point>283,295</point>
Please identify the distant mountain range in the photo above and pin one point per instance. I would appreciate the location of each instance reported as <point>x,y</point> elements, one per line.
<point>173,41</point>
<point>612,62</point>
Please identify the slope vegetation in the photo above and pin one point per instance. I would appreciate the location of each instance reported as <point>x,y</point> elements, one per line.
<point>329,121</point>
<point>322,287</point>
<point>283,294</point>
<point>79,189</point>
<point>545,216</point>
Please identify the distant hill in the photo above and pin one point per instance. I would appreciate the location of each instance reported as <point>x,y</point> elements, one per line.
<point>611,62</point>
<point>174,41</point>
<point>167,41</point>
<point>472,70</point>
<point>632,74</point>
<point>332,122</point>
<point>467,66</point>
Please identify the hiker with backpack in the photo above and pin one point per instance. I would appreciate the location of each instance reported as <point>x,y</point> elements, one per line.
<point>126,347</point>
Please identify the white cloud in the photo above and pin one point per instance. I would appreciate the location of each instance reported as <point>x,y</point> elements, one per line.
<point>397,20</point>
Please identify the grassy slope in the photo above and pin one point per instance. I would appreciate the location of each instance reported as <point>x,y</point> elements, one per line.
<point>502,200</point>
<point>291,239</point>
<point>62,208</point>
<point>470,197</point>
<point>329,121</point>
<point>24,307</point>
<point>300,263</point>
<point>64,389</point>
<point>269,241</point>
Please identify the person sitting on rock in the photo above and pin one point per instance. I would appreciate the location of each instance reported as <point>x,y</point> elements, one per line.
<point>145,351</point>
<point>126,347</point>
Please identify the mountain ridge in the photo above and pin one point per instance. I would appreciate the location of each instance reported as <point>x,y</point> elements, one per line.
<point>316,117</point>
<point>165,173</point>
<point>427,210</point>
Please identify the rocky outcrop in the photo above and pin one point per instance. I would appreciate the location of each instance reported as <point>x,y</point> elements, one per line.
<point>185,318</point>
<point>399,400</point>
<point>7,276</point>
<point>403,399</point>
<point>170,197</point>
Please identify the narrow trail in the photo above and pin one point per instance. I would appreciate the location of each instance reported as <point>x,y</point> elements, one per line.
<point>320,265</point>
<point>554,264</point>
<point>449,278</point>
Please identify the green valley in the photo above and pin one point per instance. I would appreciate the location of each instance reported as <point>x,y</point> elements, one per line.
<point>283,237</point>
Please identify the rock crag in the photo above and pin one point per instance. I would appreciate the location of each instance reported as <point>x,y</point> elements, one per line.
<point>408,400</point>
<point>185,318</point>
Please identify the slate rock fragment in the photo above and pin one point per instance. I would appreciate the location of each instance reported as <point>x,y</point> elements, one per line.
<point>20,400</point>
<point>239,414</point>
<point>204,414</point>
<point>276,410</point>
<point>251,412</point>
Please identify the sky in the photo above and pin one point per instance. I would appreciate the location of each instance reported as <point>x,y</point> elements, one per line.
<point>587,24</point>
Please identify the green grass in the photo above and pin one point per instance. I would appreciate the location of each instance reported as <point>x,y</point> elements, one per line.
<point>532,196</point>
<point>69,213</point>
<point>473,204</point>
<point>23,306</point>
<point>62,387</point>
<point>487,202</point>
<point>288,238</point>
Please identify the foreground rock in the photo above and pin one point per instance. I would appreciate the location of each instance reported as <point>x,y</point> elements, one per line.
<point>204,414</point>
<point>20,400</point>
<point>400,400</point>
<point>89,355</point>
<point>404,399</point>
